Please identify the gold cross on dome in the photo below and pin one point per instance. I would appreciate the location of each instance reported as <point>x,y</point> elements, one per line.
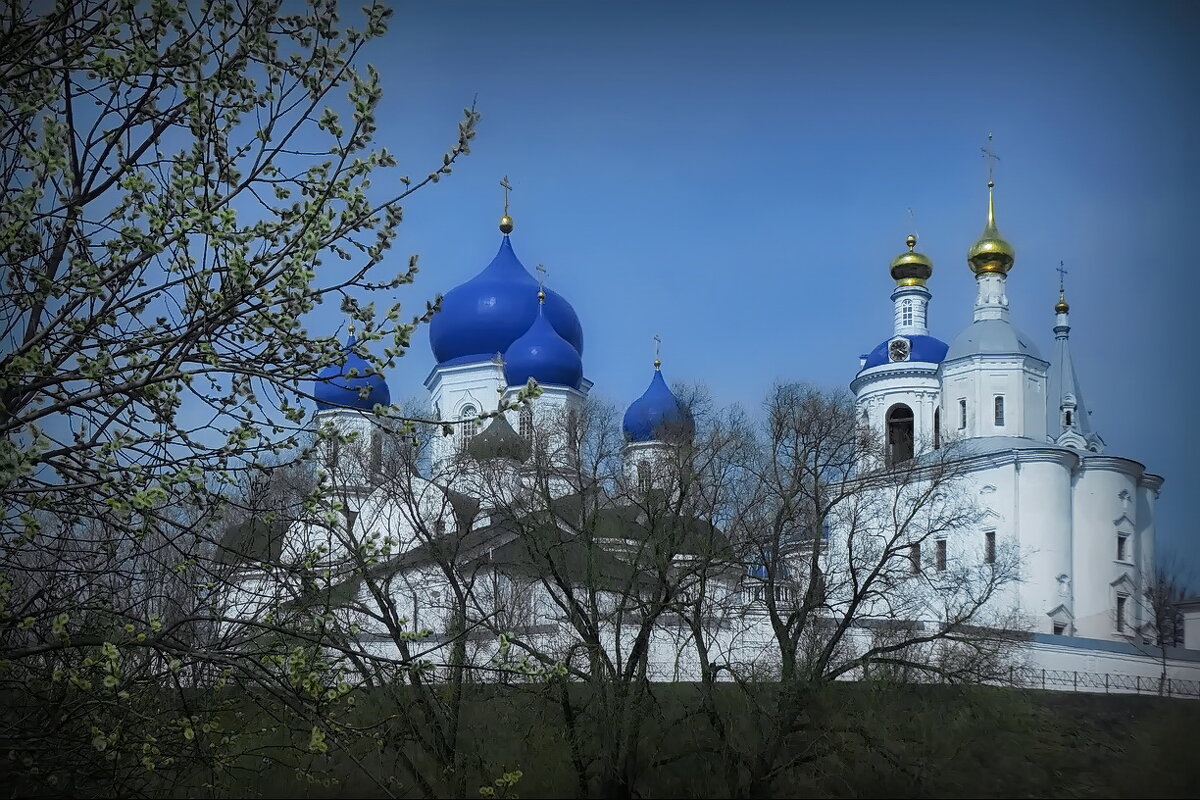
<point>991,157</point>
<point>1062,271</point>
<point>542,273</point>
<point>507,188</point>
<point>657,351</point>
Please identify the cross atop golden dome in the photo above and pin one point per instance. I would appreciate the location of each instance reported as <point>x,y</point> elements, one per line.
<point>991,251</point>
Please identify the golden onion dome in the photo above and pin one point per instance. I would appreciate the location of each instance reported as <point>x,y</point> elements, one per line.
<point>1061,306</point>
<point>991,252</point>
<point>911,268</point>
<point>506,225</point>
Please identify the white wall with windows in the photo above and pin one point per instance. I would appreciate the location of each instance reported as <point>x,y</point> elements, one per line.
<point>996,395</point>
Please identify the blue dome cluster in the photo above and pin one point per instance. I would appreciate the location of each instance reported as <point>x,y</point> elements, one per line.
<point>544,355</point>
<point>335,388</point>
<point>925,349</point>
<point>656,408</point>
<point>485,315</point>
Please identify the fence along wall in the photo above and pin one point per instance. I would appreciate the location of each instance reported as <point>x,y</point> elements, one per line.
<point>1067,663</point>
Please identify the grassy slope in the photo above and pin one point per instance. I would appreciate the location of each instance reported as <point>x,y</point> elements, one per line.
<point>867,741</point>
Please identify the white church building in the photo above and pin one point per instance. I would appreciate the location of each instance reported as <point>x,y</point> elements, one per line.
<point>1082,519</point>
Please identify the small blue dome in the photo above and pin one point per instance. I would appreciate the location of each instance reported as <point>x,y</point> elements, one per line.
<point>925,349</point>
<point>486,314</point>
<point>654,409</point>
<point>335,389</point>
<point>542,354</point>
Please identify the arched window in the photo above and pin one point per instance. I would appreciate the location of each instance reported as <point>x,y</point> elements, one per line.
<point>937,429</point>
<point>643,476</point>
<point>1067,418</point>
<point>999,404</point>
<point>906,312</point>
<point>899,434</point>
<point>962,413</point>
<point>525,424</point>
<point>470,426</point>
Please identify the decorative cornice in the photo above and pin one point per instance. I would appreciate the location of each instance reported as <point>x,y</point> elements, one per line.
<point>1111,464</point>
<point>898,369</point>
<point>1149,480</point>
<point>993,358</point>
<point>1011,456</point>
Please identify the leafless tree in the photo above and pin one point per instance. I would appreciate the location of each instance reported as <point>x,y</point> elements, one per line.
<point>854,570</point>
<point>1168,585</point>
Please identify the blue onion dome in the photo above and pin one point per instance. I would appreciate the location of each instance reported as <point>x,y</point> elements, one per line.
<point>655,410</point>
<point>337,386</point>
<point>543,354</point>
<point>921,349</point>
<point>486,314</point>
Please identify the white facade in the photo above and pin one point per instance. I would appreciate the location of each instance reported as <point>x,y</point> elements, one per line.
<point>1081,522</point>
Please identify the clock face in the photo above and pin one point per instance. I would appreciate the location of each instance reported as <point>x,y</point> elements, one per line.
<point>898,350</point>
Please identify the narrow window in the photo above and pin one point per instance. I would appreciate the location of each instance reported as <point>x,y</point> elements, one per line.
<point>470,425</point>
<point>376,452</point>
<point>573,432</point>
<point>1060,629</point>
<point>526,424</point>
<point>941,555</point>
<point>1122,601</point>
<point>906,312</point>
<point>937,429</point>
<point>989,547</point>
<point>643,476</point>
<point>1067,418</point>
<point>900,434</point>
<point>914,558</point>
<point>999,403</point>
<point>351,516</point>
<point>332,451</point>
<point>1122,547</point>
<point>962,413</point>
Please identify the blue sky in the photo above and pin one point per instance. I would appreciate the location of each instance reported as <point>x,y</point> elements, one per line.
<point>736,177</point>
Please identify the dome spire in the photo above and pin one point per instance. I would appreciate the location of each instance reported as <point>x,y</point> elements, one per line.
<point>657,352</point>
<point>1061,307</point>
<point>991,253</point>
<point>506,223</point>
<point>498,360</point>
<point>542,273</point>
